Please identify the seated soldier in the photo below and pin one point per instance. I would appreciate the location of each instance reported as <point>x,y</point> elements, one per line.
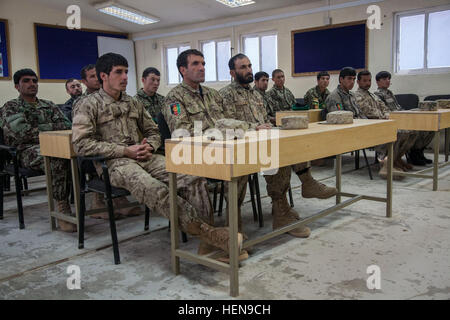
<point>342,98</point>
<point>73,88</point>
<point>153,102</point>
<point>315,97</point>
<point>373,108</point>
<point>415,154</point>
<point>109,123</point>
<point>280,96</point>
<point>261,84</point>
<point>22,119</point>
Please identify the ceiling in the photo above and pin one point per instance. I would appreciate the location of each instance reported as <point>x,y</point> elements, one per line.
<point>172,13</point>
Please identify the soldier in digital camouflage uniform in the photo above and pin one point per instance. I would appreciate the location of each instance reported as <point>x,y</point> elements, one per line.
<point>415,155</point>
<point>109,123</point>
<point>153,102</point>
<point>315,97</point>
<point>22,119</point>
<point>191,102</point>
<point>242,102</point>
<point>281,97</point>
<point>342,98</point>
<point>261,84</point>
<point>374,108</point>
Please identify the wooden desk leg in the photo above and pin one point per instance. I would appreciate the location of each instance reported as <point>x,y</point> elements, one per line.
<point>436,160</point>
<point>338,177</point>
<point>390,163</point>
<point>174,237</point>
<point>51,204</point>
<point>76,188</point>
<point>447,138</point>
<point>233,230</point>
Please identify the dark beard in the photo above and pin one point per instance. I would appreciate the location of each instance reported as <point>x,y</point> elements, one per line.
<point>241,80</point>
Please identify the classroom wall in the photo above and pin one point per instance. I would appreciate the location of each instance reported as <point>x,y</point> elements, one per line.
<point>21,15</point>
<point>380,44</point>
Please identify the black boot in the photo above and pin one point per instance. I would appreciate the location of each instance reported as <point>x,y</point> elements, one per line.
<point>422,156</point>
<point>413,157</point>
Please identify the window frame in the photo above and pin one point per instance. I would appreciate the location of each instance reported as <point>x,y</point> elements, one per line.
<point>201,42</point>
<point>259,35</point>
<point>166,62</point>
<point>396,41</point>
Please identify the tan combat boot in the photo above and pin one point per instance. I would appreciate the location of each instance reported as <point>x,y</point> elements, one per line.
<point>383,171</point>
<point>218,237</point>
<point>64,208</point>
<point>284,215</point>
<point>204,249</point>
<point>312,188</point>
<point>98,202</point>
<point>126,212</point>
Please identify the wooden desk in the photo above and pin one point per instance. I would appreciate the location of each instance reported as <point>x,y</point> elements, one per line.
<point>418,120</point>
<point>313,114</point>
<point>58,144</point>
<point>295,146</point>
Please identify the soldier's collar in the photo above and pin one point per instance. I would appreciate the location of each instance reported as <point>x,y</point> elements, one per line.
<point>108,99</point>
<point>238,86</point>
<point>188,87</point>
<point>22,100</point>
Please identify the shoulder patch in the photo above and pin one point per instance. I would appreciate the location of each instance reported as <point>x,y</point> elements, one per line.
<point>339,106</point>
<point>175,108</point>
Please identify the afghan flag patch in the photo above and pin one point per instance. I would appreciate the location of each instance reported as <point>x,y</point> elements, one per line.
<point>175,108</point>
<point>339,106</point>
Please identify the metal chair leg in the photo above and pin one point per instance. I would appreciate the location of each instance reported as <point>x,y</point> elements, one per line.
<point>215,197</point>
<point>222,190</point>
<point>367,164</point>
<point>2,185</point>
<point>25,183</point>
<point>252,197</point>
<point>81,217</point>
<point>18,183</point>
<point>258,200</point>
<point>291,198</point>
<point>147,218</point>
<point>356,159</point>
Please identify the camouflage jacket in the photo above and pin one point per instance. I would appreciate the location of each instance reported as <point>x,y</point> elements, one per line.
<point>370,105</point>
<point>22,121</point>
<point>82,96</point>
<point>183,105</point>
<point>314,93</point>
<point>268,103</point>
<point>105,127</point>
<point>389,99</point>
<point>341,100</point>
<point>282,99</point>
<point>243,104</point>
<point>153,104</point>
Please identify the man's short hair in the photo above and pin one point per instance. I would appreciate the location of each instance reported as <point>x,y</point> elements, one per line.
<point>86,68</point>
<point>261,74</point>
<point>322,74</point>
<point>21,73</point>
<point>182,60</point>
<point>150,70</point>
<point>382,75</point>
<point>106,63</point>
<point>69,81</point>
<point>274,72</point>
<point>347,72</point>
<point>363,73</point>
<point>232,61</point>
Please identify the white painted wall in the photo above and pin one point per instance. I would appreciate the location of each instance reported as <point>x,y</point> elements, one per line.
<point>21,15</point>
<point>380,44</point>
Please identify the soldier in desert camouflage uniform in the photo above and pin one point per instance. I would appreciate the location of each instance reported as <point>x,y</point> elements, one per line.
<point>373,108</point>
<point>243,103</point>
<point>342,98</point>
<point>153,102</point>
<point>315,97</point>
<point>22,119</point>
<point>282,98</point>
<point>109,123</point>
<point>415,154</point>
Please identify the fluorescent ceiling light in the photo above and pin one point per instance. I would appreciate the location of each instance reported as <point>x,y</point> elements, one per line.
<point>120,11</point>
<point>236,3</point>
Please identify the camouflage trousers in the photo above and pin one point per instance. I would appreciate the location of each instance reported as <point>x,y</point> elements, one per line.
<point>148,182</point>
<point>405,141</point>
<point>278,184</point>
<point>424,138</point>
<point>61,178</point>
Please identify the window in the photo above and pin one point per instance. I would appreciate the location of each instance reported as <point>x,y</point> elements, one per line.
<point>217,53</point>
<point>262,51</point>
<point>173,76</point>
<point>423,41</point>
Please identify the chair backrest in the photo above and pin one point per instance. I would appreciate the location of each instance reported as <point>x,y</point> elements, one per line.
<point>408,101</point>
<point>163,129</point>
<point>437,97</point>
<point>300,102</point>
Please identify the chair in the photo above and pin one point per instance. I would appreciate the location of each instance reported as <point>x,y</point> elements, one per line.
<point>437,97</point>
<point>103,186</point>
<point>408,101</point>
<point>66,109</point>
<point>9,167</point>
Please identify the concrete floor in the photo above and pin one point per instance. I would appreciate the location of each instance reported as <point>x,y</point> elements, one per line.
<point>412,250</point>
